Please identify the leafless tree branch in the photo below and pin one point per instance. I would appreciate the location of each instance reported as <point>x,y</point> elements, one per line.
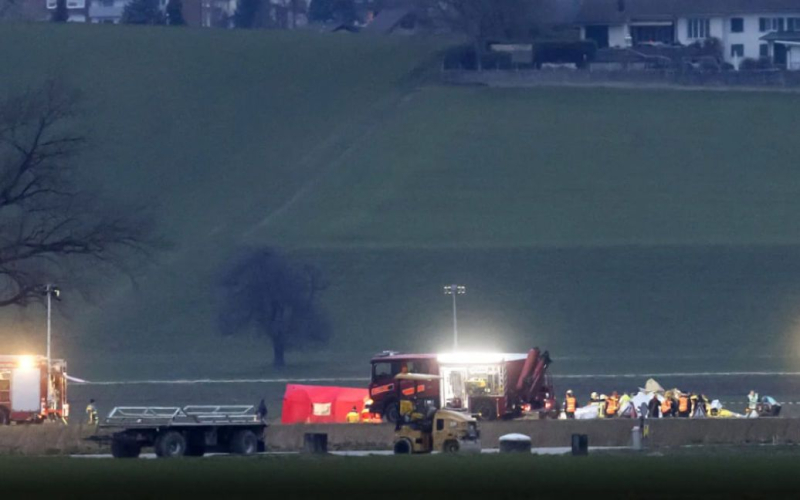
<point>50,224</point>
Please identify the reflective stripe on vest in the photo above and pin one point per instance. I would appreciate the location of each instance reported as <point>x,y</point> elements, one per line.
<point>571,404</point>
<point>611,406</point>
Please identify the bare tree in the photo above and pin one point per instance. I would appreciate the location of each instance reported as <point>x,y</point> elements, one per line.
<point>51,225</point>
<point>265,291</point>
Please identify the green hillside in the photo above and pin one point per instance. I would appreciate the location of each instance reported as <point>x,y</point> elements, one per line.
<point>580,219</point>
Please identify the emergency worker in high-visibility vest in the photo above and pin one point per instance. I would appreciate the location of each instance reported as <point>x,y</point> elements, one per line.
<point>571,404</point>
<point>352,416</point>
<point>666,407</point>
<point>752,402</point>
<point>612,405</point>
<point>91,412</point>
<point>684,406</point>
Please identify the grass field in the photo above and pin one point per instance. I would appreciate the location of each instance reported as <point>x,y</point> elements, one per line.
<point>487,476</point>
<point>657,226</point>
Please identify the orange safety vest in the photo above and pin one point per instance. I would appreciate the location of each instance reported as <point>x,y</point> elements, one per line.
<point>666,405</point>
<point>683,404</point>
<point>571,404</point>
<point>611,406</point>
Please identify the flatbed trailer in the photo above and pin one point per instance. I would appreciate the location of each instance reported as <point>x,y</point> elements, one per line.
<point>189,431</point>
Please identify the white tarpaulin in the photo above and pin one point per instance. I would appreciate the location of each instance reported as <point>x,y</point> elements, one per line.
<point>587,412</point>
<point>322,409</point>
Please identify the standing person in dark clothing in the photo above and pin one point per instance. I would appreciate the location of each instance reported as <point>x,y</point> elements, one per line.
<point>262,411</point>
<point>654,407</point>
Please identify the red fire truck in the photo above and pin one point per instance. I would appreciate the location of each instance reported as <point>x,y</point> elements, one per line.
<point>494,385</point>
<point>23,389</point>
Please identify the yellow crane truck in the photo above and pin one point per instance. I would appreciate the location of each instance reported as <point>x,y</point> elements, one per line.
<point>422,428</point>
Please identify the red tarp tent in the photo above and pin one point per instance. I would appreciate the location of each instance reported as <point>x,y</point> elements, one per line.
<point>316,404</point>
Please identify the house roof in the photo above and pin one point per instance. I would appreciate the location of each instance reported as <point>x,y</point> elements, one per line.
<point>387,19</point>
<point>782,36</point>
<point>620,11</point>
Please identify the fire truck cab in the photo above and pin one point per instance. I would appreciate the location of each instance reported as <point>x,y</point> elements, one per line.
<point>24,382</point>
<point>385,367</point>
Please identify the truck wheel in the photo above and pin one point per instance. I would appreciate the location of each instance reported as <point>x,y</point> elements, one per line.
<point>170,444</point>
<point>402,447</point>
<point>451,446</point>
<point>391,412</point>
<point>244,443</point>
<point>4,417</point>
<point>486,409</point>
<point>125,448</point>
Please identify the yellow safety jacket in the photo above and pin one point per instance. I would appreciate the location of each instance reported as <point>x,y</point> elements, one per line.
<point>91,411</point>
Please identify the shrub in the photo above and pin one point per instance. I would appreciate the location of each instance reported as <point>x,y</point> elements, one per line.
<point>748,64</point>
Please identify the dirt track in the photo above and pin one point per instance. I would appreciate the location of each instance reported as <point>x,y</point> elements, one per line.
<point>68,440</point>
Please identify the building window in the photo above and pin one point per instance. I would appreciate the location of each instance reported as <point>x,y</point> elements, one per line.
<point>793,24</point>
<point>737,50</point>
<point>771,24</point>
<point>737,25</point>
<point>698,28</point>
<point>763,50</point>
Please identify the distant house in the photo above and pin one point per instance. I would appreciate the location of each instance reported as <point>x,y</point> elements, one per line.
<point>744,27</point>
<point>78,10</point>
<point>195,12</point>
<point>106,11</point>
<point>784,48</point>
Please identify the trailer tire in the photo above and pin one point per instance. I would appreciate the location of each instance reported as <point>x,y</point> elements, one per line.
<point>4,416</point>
<point>125,448</point>
<point>170,444</point>
<point>451,446</point>
<point>391,412</point>
<point>402,447</point>
<point>244,442</point>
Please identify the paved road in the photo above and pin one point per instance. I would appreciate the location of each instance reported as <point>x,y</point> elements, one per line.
<point>362,453</point>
